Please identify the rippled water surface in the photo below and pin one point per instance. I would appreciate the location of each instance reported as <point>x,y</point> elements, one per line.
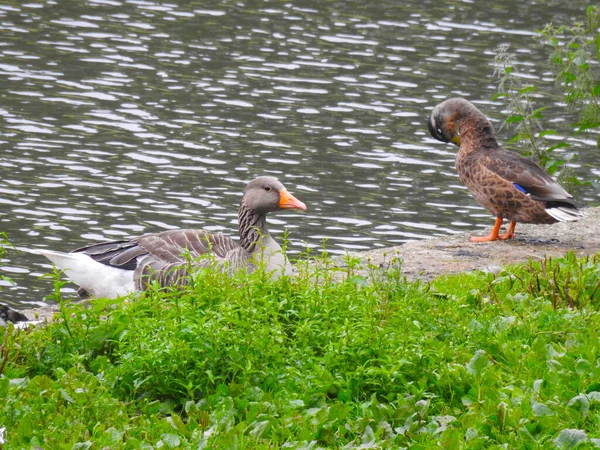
<point>125,117</point>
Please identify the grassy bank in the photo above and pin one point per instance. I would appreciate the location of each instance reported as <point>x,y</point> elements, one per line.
<point>467,361</point>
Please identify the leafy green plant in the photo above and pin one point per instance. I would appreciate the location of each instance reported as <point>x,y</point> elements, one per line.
<point>575,57</point>
<point>352,356</point>
<point>530,132</point>
<point>568,281</point>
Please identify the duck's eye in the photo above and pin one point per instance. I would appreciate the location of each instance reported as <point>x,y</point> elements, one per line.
<point>268,188</point>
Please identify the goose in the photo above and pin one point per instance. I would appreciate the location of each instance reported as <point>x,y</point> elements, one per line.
<point>117,268</point>
<point>506,184</point>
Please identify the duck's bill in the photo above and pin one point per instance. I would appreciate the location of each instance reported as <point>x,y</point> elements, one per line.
<point>288,201</point>
<point>456,140</point>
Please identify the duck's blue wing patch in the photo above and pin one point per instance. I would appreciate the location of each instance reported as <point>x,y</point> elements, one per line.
<point>521,188</point>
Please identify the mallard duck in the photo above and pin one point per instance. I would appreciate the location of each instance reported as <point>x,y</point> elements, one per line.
<point>114,269</point>
<point>506,184</point>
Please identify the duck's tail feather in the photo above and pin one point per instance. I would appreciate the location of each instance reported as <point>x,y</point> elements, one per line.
<point>564,213</point>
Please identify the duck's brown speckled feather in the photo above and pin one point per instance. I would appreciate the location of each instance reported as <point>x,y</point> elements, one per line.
<point>516,169</point>
<point>491,175</point>
<point>490,190</point>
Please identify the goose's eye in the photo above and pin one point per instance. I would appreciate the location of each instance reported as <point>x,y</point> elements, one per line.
<point>268,188</point>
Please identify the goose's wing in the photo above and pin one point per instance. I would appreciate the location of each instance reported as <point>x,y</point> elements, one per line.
<point>166,262</point>
<point>525,175</point>
<point>107,252</point>
<point>168,247</point>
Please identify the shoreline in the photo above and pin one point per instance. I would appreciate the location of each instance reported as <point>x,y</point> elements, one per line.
<point>429,258</point>
<point>435,256</point>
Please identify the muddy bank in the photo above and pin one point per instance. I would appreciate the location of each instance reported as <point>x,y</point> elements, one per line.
<point>450,254</point>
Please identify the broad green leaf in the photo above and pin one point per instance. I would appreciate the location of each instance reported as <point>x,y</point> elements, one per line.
<point>451,438</point>
<point>568,77</point>
<point>539,409</point>
<point>571,438</point>
<point>82,445</point>
<point>551,166</point>
<point>18,382</point>
<point>178,424</point>
<point>368,436</point>
<point>478,363</point>
<point>583,367</point>
<point>471,434</point>
<point>561,144</point>
<point>297,403</point>
<point>258,428</point>
<point>171,440</point>
<point>527,90</point>
<point>594,396</point>
<point>580,403</point>
<point>112,436</point>
<point>515,118</point>
<point>66,396</point>
<point>538,113</point>
<point>439,424</point>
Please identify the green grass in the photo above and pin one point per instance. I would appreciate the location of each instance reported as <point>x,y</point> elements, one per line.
<point>467,361</point>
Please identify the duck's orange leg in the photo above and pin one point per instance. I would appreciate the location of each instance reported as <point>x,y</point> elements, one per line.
<point>510,233</point>
<point>492,236</point>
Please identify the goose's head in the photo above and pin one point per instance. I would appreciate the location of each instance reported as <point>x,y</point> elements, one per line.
<point>268,194</point>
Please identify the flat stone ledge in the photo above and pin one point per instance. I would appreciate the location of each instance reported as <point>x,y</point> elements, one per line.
<point>431,257</point>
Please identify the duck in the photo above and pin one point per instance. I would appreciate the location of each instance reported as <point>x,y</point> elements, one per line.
<point>508,185</point>
<point>116,268</point>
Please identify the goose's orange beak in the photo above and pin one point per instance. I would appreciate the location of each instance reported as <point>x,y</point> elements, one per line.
<point>288,201</point>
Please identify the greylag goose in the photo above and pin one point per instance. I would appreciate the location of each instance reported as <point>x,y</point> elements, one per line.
<point>114,269</point>
<point>506,184</point>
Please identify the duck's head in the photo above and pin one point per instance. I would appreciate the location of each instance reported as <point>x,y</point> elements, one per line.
<point>444,120</point>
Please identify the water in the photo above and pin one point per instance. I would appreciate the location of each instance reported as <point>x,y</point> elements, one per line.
<point>125,117</point>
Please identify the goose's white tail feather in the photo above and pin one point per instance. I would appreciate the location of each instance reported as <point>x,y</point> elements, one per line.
<point>98,279</point>
<point>564,213</point>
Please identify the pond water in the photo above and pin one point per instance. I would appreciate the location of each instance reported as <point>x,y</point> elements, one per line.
<point>124,117</point>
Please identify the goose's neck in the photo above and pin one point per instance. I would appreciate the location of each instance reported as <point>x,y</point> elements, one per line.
<point>252,226</point>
